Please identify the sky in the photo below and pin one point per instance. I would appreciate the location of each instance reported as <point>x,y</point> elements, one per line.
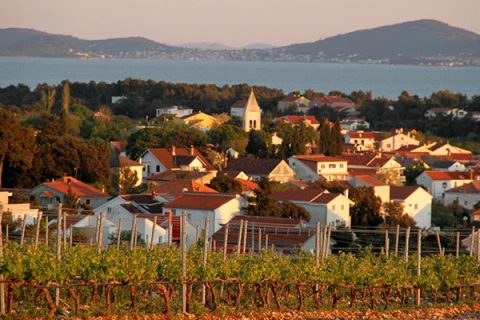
<point>231,22</point>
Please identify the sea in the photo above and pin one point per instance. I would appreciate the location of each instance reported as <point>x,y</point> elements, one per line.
<point>382,80</point>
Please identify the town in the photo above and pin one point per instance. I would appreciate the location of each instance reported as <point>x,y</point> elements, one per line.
<point>272,176</point>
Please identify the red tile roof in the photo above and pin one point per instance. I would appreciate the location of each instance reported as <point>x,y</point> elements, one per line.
<point>372,181</point>
<point>297,119</point>
<point>178,187</point>
<point>77,187</point>
<point>247,185</point>
<point>165,156</point>
<point>362,171</point>
<point>291,98</point>
<point>117,161</point>
<point>476,213</point>
<point>472,187</point>
<point>201,201</point>
<point>253,166</point>
<point>402,193</point>
<point>358,159</point>
<point>361,134</point>
<point>240,104</point>
<point>449,175</point>
<point>326,198</point>
<point>140,198</point>
<point>319,158</point>
<point>298,195</point>
<point>119,145</point>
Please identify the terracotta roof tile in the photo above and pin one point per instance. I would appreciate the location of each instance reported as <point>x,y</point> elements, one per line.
<point>201,201</point>
<point>402,192</point>
<point>78,188</point>
<point>326,198</point>
<point>372,181</point>
<point>319,158</point>
<point>253,166</point>
<point>361,134</point>
<point>296,119</point>
<point>178,187</point>
<point>472,187</point>
<point>165,156</point>
<point>449,175</point>
<point>298,195</point>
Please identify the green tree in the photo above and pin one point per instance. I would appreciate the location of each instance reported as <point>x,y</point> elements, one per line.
<point>16,145</point>
<point>225,183</point>
<point>257,143</point>
<point>336,140</point>
<point>366,211</point>
<point>66,102</point>
<point>394,215</point>
<point>226,135</point>
<point>411,173</point>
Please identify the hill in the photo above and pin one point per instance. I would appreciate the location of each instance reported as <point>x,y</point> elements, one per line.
<point>409,42</point>
<point>422,42</point>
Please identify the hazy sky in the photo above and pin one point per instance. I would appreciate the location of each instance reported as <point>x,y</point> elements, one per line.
<point>233,22</point>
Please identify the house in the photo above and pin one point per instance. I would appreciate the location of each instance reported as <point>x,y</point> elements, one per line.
<point>203,177</point>
<point>375,164</point>
<point>248,112</point>
<point>84,228</point>
<point>276,141</point>
<point>50,194</point>
<point>454,113</point>
<point>437,182</point>
<point>119,147</point>
<point>466,195</point>
<point>119,166</point>
<point>156,160</point>
<point>362,140</point>
<point>284,235</point>
<point>292,101</point>
<point>218,207</point>
<point>417,203</point>
<point>174,110</point>
<point>294,120</point>
<point>200,121</point>
<point>324,207</point>
<point>354,123</point>
<point>380,189</point>
<point>18,210</point>
<point>397,140</point>
<point>337,103</point>
<point>446,149</point>
<point>272,169</point>
<point>145,203</point>
<point>435,163</point>
<point>318,166</point>
<point>175,188</point>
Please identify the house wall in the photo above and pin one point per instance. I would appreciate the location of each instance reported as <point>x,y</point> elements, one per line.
<point>282,173</point>
<point>60,197</point>
<point>302,171</point>
<point>438,187</point>
<point>466,200</point>
<point>419,206</point>
<point>338,211</point>
<point>150,164</point>
<point>397,141</point>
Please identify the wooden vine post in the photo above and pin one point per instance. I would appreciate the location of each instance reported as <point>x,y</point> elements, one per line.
<point>46,232</point>
<point>184,261</point>
<point>119,232</point>
<point>59,247</point>
<point>245,234</point>
<point>317,244</point>
<point>387,243</point>
<point>133,232</point>
<point>2,285</point>
<point>205,258</point>
<point>37,229</point>
<point>397,239</point>
<point>457,248</point>
<point>439,243</point>
<point>154,225</point>
<point>225,242</point>
<point>472,237</point>
<point>419,265</point>
<point>239,242</point>
<point>407,242</point>
<point>24,224</point>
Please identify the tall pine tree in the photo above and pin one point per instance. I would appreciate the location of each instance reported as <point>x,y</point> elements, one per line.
<point>66,102</point>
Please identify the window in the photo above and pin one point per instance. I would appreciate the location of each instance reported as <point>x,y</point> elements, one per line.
<point>341,165</point>
<point>466,203</point>
<point>87,201</point>
<point>333,207</point>
<point>189,216</point>
<point>389,145</point>
<point>444,185</point>
<point>250,124</point>
<point>254,124</point>
<point>109,210</point>
<point>416,206</point>
<point>342,207</point>
<point>332,165</point>
<point>322,166</point>
<point>148,168</point>
<point>158,168</point>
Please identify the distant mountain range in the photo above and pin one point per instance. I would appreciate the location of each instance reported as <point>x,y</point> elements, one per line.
<point>422,42</point>
<point>221,46</point>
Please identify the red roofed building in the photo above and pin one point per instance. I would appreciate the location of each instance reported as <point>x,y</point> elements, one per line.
<point>293,101</point>
<point>295,120</point>
<point>417,203</point>
<point>466,195</point>
<point>323,206</point>
<point>176,188</point>
<point>318,166</point>
<point>219,208</point>
<point>156,160</point>
<point>361,140</point>
<point>339,104</point>
<point>437,182</point>
<point>50,194</point>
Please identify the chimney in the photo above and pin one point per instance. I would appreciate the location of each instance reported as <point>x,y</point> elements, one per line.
<point>173,150</point>
<point>192,150</point>
<point>346,192</point>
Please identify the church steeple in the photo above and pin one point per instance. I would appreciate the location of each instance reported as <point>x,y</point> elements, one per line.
<point>252,114</point>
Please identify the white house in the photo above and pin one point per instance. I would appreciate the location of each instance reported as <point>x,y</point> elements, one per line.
<point>175,110</point>
<point>317,166</point>
<point>380,189</point>
<point>466,195</point>
<point>218,208</point>
<point>248,112</point>
<point>292,101</point>
<point>446,149</point>
<point>435,163</point>
<point>324,207</point>
<point>455,113</point>
<point>352,124</point>
<point>437,182</point>
<point>50,194</point>
<point>361,140</point>
<point>156,160</point>
<point>18,210</point>
<point>417,203</point>
<point>397,141</point>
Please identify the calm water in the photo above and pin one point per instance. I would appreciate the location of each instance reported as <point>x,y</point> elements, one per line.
<point>382,80</point>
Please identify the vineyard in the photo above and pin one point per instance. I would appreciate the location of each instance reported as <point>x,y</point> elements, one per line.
<point>88,282</point>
